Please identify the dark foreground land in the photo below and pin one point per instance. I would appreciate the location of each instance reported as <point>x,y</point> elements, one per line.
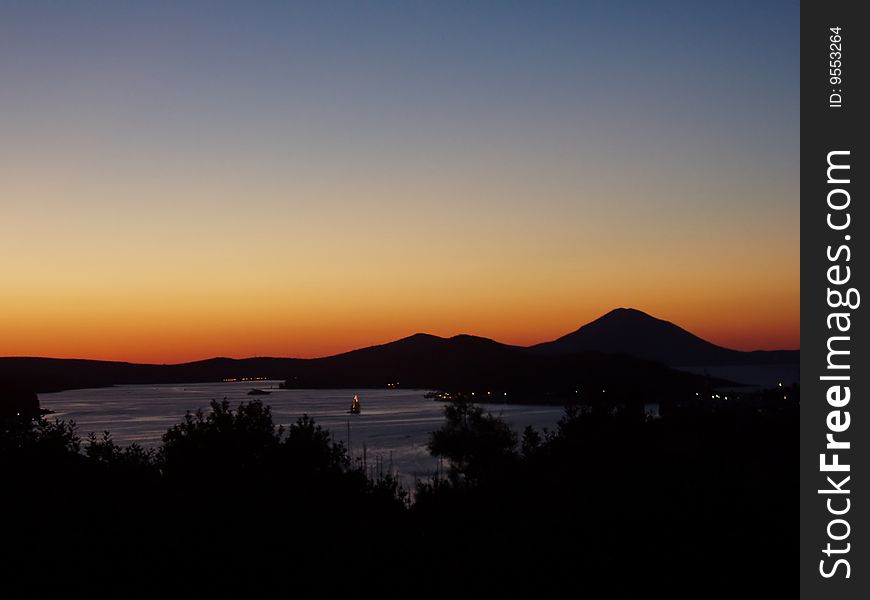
<point>699,503</point>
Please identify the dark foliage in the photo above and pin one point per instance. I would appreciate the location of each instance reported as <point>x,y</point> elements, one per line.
<point>477,444</point>
<point>611,504</point>
<point>222,445</point>
<point>701,503</point>
<point>230,503</point>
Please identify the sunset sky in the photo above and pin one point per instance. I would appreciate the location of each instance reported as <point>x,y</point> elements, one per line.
<point>182,180</point>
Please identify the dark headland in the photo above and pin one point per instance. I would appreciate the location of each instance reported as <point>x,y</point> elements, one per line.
<point>625,350</point>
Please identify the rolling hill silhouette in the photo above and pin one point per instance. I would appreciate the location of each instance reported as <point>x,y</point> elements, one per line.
<point>467,362</point>
<point>633,332</point>
<point>625,349</point>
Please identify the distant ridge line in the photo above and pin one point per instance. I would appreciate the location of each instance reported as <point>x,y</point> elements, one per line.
<point>624,338</point>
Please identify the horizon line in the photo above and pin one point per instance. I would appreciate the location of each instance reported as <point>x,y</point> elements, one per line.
<point>375,345</point>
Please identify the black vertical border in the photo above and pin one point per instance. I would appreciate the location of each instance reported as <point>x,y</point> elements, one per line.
<point>824,129</point>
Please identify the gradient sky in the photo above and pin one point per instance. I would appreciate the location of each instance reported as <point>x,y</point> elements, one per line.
<point>181,180</point>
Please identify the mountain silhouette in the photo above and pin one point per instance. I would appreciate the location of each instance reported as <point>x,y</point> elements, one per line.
<point>461,363</point>
<point>469,363</point>
<point>625,349</point>
<point>634,332</point>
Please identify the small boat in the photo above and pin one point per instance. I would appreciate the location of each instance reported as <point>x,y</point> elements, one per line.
<point>355,406</point>
<point>256,392</point>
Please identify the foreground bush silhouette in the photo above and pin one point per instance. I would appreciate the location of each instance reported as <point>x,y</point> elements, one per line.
<point>703,501</point>
<point>222,444</point>
<point>229,501</point>
<point>476,444</point>
<point>699,503</point>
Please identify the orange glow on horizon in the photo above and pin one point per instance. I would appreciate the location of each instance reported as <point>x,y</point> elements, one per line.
<point>190,290</point>
<point>182,185</point>
<point>156,338</point>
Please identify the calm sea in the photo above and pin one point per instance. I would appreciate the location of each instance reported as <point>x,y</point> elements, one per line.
<point>394,425</point>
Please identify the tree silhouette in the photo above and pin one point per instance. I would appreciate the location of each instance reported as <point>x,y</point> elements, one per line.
<point>221,444</point>
<point>475,443</point>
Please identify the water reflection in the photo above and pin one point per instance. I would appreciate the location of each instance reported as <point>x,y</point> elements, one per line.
<point>394,423</point>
